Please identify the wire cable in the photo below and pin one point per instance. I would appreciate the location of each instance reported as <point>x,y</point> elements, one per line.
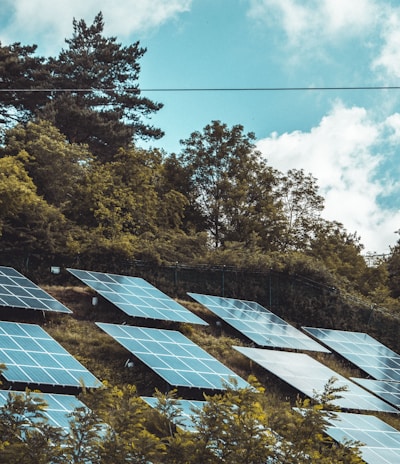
<point>205,89</point>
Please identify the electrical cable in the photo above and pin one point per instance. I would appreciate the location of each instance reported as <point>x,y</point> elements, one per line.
<point>205,89</point>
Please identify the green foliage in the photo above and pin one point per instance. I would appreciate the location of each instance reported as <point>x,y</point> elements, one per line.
<point>17,189</point>
<point>102,108</point>
<point>303,431</point>
<point>38,230</point>
<point>20,68</point>
<point>234,427</point>
<point>239,426</point>
<point>25,435</point>
<point>72,183</point>
<point>120,195</point>
<point>340,252</point>
<point>126,414</point>
<point>393,267</point>
<point>242,426</point>
<point>301,205</point>
<point>228,184</point>
<point>28,224</point>
<point>55,166</point>
<point>84,442</point>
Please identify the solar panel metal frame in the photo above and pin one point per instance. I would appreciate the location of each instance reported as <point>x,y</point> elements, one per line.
<point>175,358</point>
<point>257,323</point>
<point>33,357</point>
<point>136,297</point>
<point>369,430</point>
<point>362,350</point>
<point>17,291</point>
<point>186,410</point>
<point>387,390</point>
<point>58,408</point>
<point>308,375</point>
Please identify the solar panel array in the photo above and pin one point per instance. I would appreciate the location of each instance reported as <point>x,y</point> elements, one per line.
<point>362,350</point>
<point>185,410</point>
<point>257,323</point>
<point>136,297</point>
<point>309,376</point>
<point>173,357</point>
<point>58,406</point>
<point>17,291</point>
<point>381,442</point>
<point>31,356</point>
<point>389,391</point>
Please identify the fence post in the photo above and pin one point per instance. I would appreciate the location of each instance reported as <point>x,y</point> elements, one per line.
<point>223,281</point>
<point>176,274</point>
<point>270,290</point>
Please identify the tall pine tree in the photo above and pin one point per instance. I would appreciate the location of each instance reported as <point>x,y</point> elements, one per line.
<point>90,92</point>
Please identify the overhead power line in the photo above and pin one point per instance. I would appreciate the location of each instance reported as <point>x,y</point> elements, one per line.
<point>266,89</point>
<point>206,89</point>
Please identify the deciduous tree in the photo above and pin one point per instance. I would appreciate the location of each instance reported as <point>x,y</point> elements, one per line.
<point>25,435</point>
<point>301,205</point>
<point>229,184</point>
<point>55,166</point>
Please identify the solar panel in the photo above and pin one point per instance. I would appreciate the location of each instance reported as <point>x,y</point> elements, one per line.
<point>136,297</point>
<point>31,356</point>
<point>173,357</point>
<point>258,323</point>
<point>185,411</point>
<point>381,442</point>
<point>58,406</point>
<point>389,391</point>
<point>16,291</point>
<point>362,350</point>
<point>309,376</point>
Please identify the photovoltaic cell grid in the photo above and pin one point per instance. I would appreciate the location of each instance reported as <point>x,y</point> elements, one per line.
<point>173,357</point>
<point>389,391</point>
<point>136,297</point>
<point>185,411</point>
<point>31,356</point>
<point>16,291</point>
<point>310,376</point>
<point>257,323</point>
<point>362,350</point>
<point>58,406</point>
<point>381,442</point>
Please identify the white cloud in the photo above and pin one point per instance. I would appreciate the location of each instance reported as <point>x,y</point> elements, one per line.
<point>311,25</point>
<point>53,18</point>
<point>388,60</point>
<point>393,124</point>
<point>308,21</point>
<point>341,152</point>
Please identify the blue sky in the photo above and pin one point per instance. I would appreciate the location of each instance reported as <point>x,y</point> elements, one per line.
<point>348,139</point>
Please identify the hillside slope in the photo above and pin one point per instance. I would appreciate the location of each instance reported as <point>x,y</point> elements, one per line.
<point>106,359</point>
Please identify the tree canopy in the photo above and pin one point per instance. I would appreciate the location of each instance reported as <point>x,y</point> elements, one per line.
<point>230,185</point>
<point>90,91</point>
<point>118,427</point>
<point>76,183</point>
